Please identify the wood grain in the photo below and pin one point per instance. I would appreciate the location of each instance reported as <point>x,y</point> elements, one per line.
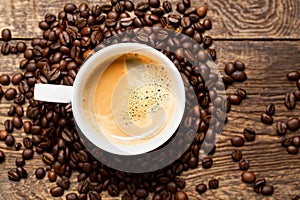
<point>275,19</point>
<point>267,64</point>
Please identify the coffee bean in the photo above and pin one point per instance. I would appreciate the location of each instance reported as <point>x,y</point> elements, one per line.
<point>266,119</point>
<point>27,126</point>
<point>258,184</point>
<point>27,154</point>
<point>201,188</point>
<point>181,195</point>
<point>167,6</point>
<point>52,176</point>
<point>267,190</point>
<point>236,155</point>
<point>248,177</point>
<point>270,110</point>
<point>10,93</point>
<point>285,141</point>
<point>3,134</point>
<point>249,134</point>
<point>141,193</point>
<point>10,140</point>
<point>17,78</point>
<point>213,183</point>
<point>17,121</point>
<point>63,182</point>
<point>13,176</point>
<point>207,24</point>
<point>242,93</point>
<point>290,101</point>
<point>72,196</point>
<point>234,99</point>
<point>293,124</point>
<point>40,173</point>
<point>296,141</point>
<point>56,191</point>
<point>4,79</point>
<point>154,3</point>
<point>19,110</point>
<point>18,146</point>
<point>239,76</point>
<point>281,128</point>
<point>2,156</point>
<point>237,141</point>
<point>9,126</point>
<point>207,162</point>
<point>113,190</point>
<point>5,48</point>
<point>21,172</point>
<point>244,164</point>
<point>12,110</point>
<point>293,75</point>
<point>6,34</point>
<point>239,65</point>
<point>292,150</point>
<point>20,162</point>
<point>201,11</point>
<point>21,47</point>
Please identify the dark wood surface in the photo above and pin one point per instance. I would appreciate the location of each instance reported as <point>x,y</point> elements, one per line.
<point>263,33</point>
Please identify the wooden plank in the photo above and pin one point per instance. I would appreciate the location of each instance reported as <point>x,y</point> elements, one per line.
<point>231,19</point>
<point>267,64</point>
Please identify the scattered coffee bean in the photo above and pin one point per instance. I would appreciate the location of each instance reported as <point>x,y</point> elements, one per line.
<point>21,47</point>
<point>201,11</point>
<point>248,177</point>
<point>292,150</point>
<point>201,188</point>
<point>239,76</point>
<point>290,101</point>
<point>266,119</point>
<point>242,93</point>
<point>267,190</point>
<point>3,134</point>
<point>293,124</point>
<point>17,122</point>
<point>258,184</point>
<point>20,162</point>
<point>213,183</point>
<point>18,146</point>
<point>27,154</point>
<point>237,141</point>
<point>2,156</point>
<point>21,172</point>
<point>293,75</point>
<point>17,78</point>
<point>72,196</point>
<point>244,164</point>
<point>10,140</point>
<point>181,195</point>
<point>13,176</point>
<point>239,65</point>
<point>63,182</point>
<point>207,162</point>
<point>285,141</point>
<point>234,99</point>
<point>6,34</point>
<point>296,141</point>
<point>249,134</point>
<point>56,191</point>
<point>4,79</point>
<point>236,155</point>
<point>281,128</point>
<point>52,176</point>
<point>10,93</point>
<point>270,109</point>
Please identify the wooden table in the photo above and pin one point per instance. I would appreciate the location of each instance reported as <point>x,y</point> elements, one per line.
<point>264,34</point>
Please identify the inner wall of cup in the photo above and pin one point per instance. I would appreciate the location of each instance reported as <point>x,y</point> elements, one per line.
<point>94,69</point>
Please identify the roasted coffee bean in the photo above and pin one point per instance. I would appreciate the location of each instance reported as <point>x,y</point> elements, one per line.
<point>20,162</point>
<point>180,8</point>
<point>6,34</point>
<point>234,99</point>
<point>237,141</point>
<point>3,134</point>
<point>21,172</point>
<point>8,125</point>
<point>10,93</point>
<point>19,99</point>
<point>293,75</point>
<point>154,3</point>
<point>213,183</point>
<point>293,124</point>
<point>56,191</point>
<point>167,6</point>
<point>17,121</point>
<point>17,78</point>
<point>258,184</point>
<point>266,119</point>
<point>13,176</point>
<point>296,141</point>
<point>242,93</point>
<point>113,190</point>
<point>292,150</point>
<point>236,155</point>
<point>40,173</point>
<point>290,101</point>
<point>27,154</point>
<point>201,11</point>
<point>27,126</point>
<point>27,142</point>
<point>18,146</point>
<point>207,24</point>
<point>10,140</point>
<point>239,76</point>
<point>249,134</point>
<point>270,109</point>
<point>52,176</point>
<point>201,188</point>
<point>63,182</point>
<point>239,65</point>
<point>141,193</point>
<point>12,110</point>
<point>5,48</point>
<point>207,162</point>
<point>181,195</point>
<point>72,196</point>
<point>285,141</point>
<point>248,177</point>
<point>244,164</point>
<point>19,110</point>
<point>4,79</point>
<point>2,156</point>
<point>267,190</point>
<point>21,47</point>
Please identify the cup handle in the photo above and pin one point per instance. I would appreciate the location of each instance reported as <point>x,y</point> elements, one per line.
<point>53,93</point>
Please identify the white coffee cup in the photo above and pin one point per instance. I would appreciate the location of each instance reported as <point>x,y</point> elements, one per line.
<point>87,75</point>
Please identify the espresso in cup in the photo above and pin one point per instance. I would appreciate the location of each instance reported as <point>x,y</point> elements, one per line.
<point>134,99</point>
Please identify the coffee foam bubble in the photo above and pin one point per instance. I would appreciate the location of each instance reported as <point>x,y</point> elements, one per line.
<point>143,100</point>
